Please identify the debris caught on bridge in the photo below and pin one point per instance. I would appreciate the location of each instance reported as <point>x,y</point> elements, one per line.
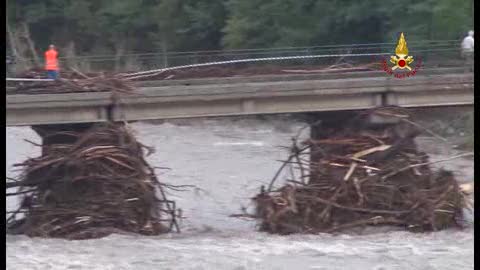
<point>70,82</point>
<point>90,185</point>
<point>361,174</point>
<point>235,70</point>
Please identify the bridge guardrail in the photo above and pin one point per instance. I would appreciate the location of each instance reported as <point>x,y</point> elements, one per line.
<point>290,76</point>
<point>321,87</point>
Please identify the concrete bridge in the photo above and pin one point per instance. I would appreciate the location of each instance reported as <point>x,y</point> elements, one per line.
<point>245,96</point>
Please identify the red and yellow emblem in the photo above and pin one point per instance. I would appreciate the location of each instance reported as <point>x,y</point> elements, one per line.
<point>401,60</point>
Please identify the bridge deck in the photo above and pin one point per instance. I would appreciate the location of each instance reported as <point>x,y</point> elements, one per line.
<point>241,96</point>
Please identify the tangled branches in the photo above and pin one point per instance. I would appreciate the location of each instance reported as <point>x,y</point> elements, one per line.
<point>71,82</point>
<point>360,174</point>
<point>92,187</point>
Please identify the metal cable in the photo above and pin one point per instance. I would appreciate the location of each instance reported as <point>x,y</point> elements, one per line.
<point>253,60</point>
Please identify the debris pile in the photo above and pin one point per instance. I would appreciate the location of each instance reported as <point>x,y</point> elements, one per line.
<point>70,82</point>
<point>71,74</point>
<point>235,70</point>
<point>89,185</point>
<point>359,174</point>
<point>97,84</point>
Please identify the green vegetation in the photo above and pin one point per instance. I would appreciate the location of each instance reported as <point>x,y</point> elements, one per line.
<point>470,141</point>
<point>99,27</point>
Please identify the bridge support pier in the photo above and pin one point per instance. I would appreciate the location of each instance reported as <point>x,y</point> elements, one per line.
<point>323,125</point>
<point>58,133</point>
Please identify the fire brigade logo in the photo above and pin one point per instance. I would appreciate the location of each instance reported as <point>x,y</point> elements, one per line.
<point>401,61</point>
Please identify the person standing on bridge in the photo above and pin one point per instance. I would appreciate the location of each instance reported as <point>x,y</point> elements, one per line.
<point>468,50</point>
<point>51,62</point>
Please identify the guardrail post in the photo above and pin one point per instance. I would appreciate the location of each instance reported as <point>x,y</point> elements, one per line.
<point>248,106</point>
<point>165,60</point>
<point>378,100</point>
<point>391,99</point>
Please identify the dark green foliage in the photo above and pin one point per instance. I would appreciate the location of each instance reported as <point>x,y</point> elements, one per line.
<point>121,26</point>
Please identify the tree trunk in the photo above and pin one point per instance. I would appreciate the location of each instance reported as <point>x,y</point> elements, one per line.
<point>17,48</point>
<point>164,50</point>
<point>119,52</point>
<point>10,34</point>
<point>12,68</point>
<point>70,55</point>
<point>473,16</point>
<point>11,39</point>
<point>31,45</point>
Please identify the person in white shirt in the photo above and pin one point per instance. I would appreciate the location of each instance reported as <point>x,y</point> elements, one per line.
<point>468,50</point>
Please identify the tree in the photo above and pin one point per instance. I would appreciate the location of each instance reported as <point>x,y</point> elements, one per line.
<point>123,26</point>
<point>270,23</point>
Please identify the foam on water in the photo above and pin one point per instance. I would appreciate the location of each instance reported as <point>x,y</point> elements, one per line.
<point>238,144</point>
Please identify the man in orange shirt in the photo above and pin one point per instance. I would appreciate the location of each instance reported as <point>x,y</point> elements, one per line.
<point>51,62</point>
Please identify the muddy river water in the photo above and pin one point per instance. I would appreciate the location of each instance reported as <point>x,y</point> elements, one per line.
<point>227,161</point>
